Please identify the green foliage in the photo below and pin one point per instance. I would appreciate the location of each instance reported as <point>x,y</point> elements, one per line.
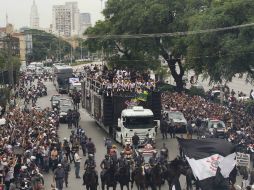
<point>4,96</point>
<point>217,55</point>
<point>249,107</point>
<point>222,55</point>
<point>47,45</point>
<point>166,88</point>
<point>194,91</point>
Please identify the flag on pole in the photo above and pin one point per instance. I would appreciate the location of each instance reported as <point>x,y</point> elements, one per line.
<point>209,159</point>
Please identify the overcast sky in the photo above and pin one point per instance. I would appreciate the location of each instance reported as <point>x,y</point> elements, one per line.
<point>19,11</point>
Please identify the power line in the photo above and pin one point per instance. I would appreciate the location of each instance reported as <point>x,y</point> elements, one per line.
<point>173,34</point>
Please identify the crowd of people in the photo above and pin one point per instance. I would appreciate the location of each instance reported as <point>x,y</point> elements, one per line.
<point>120,80</point>
<point>238,122</point>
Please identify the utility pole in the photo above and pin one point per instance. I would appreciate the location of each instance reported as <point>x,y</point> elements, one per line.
<point>81,56</point>
<point>9,62</point>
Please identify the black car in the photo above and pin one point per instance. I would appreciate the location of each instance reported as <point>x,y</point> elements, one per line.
<point>55,101</point>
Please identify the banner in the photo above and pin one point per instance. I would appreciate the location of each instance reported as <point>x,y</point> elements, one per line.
<point>242,159</point>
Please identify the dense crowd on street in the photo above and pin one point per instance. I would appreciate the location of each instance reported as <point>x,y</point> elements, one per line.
<point>238,121</point>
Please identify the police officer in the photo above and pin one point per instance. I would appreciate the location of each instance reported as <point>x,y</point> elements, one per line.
<point>164,151</point>
<point>90,164</point>
<point>59,175</point>
<point>69,118</point>
<point>164,128</point>
<point>139,160</point>
<point>108,144</point>
<point>67,169</point>
<point>90,147</point>
<point>67,150</point>
<point>153,160</point>
<point>122,161</point>
<point>135,141</point>
<point>83,141</point>
<point>105,164</point>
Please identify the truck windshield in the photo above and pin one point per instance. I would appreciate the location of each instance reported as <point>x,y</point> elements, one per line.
<point>139,122</point>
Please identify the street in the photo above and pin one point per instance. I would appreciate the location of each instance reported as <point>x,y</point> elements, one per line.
<point>97,135</point>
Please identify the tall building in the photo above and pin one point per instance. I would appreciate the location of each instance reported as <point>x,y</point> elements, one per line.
<point>85,22</point>
<point>34,17</point>
<point>66,19</point>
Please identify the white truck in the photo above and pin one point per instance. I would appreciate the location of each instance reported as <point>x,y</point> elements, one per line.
<point>117,113</point>
<point>138,120</point>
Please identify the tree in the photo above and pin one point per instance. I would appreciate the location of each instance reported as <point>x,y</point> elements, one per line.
<point>145,17</point>
<point>222,55</point>
<point>46,45</point>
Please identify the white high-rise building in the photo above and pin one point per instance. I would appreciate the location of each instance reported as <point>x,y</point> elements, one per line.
<point>66,19</point>
<point>34,17</point>
<point>85,22</point>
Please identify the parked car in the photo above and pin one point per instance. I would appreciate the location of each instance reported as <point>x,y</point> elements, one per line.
<point>55,101</point>
<point>176,118</point>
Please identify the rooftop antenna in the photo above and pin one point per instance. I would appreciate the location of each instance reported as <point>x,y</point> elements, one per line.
<point>6,17</point>
<point>101,4</point>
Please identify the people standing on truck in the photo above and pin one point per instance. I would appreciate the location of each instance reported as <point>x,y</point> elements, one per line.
<point>135,141</point>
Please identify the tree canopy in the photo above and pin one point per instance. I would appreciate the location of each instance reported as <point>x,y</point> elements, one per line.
<point>218,55</point>
<point>222,55</point>
<point>46,45</point>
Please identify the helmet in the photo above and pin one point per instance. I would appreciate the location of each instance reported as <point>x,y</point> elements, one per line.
<point>59,165</point>
<point>23,168</point>
<point>33,157</point>
<point>113,146</point>
<point>90,155</point>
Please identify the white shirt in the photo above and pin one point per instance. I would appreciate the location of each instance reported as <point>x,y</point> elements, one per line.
<point>77,158</point>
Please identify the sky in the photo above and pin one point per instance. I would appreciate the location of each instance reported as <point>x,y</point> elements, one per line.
<point>18,11</point>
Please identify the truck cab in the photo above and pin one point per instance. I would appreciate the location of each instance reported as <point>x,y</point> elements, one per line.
<point>135,119</point>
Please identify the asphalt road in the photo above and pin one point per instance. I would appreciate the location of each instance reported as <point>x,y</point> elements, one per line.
<point>97,135</point>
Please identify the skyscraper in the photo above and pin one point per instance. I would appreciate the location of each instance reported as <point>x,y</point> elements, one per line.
<point>85,22</point>
<point>34,17</point>
<point>66,19</point>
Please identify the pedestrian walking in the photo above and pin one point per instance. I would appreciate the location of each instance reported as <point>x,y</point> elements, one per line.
<point>59,175</point>
<point>67,169</point>
<point>77,160</point>
<point>164,128</point>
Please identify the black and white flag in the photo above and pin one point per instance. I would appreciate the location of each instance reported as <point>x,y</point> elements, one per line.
<point>209,158</point>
